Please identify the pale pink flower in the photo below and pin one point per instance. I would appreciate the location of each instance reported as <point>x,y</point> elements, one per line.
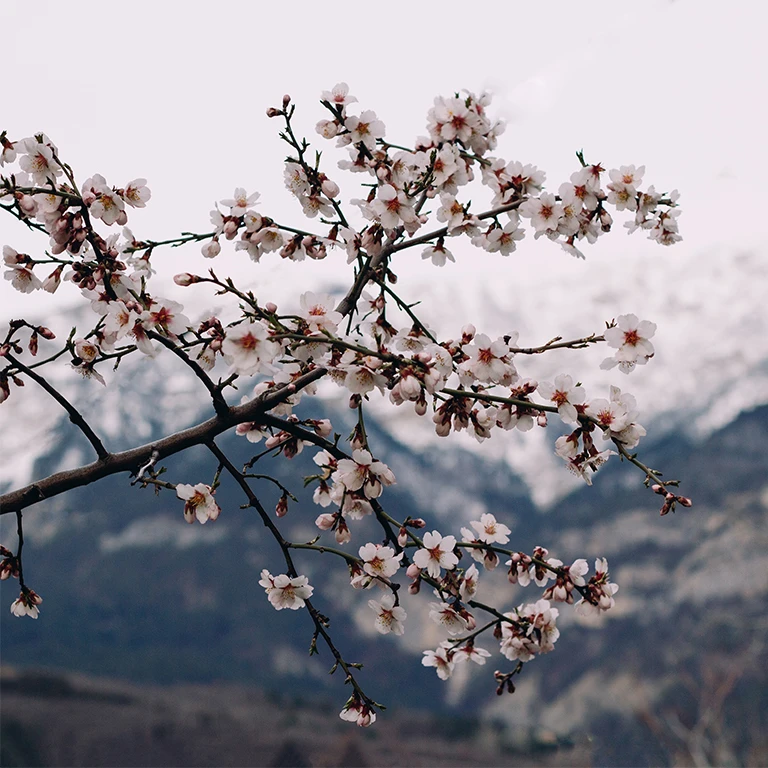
<point>26,604</point>
<point>490,531</point>
<point>248,347</point>
<point>392,207</point>
<point>630,337</point>
<point>564,395</point>
<point>364,129</point>
<point>389,617</point>
<point>136,193</point>
<point>379,561</point>
<point>286,592</point>
<point>362,472</point>
<point>355,711</point>
<point>23,279</point>
<point>609,415</point>
<point>318,310</point>
<point>199,502</point>
<point>338,95</point>
<point>469,581</point>
<point>437,553</point>
<point>447,617</point>
<point>37,160</point>
<point>439,659</point>
<point>470,652</point>
<point>240,202</point>
<point>489,361</point>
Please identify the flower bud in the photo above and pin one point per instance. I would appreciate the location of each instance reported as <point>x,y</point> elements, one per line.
<point>274,112</point>
<point>270,307</point>
<point>286,100</point>
<point>209,250</point>
<point>281,510</point>
<point>185,278</point>
<point>330,188</point>
<point>325,521</point>
<point>413,571</point>
<point>46,333</point>
<point>52,282</point>
<point>327,128</point>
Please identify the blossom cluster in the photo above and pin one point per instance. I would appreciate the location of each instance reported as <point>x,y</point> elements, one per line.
<point>370,343</point>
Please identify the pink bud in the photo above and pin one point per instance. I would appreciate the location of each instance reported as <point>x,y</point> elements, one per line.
<point>274,112</point>
<point>286,100</point>
<point>185,278</point>
<point>52,282</point>
<point>46,333</point>
<point>209,250</point>
<point>413,571</point>
<point>271,307</point>
<point>325,521</point>
<point>685,501</point>
<point>330,188</point>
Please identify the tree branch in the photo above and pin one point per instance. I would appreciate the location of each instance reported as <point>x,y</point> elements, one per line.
<point>131,460</point>
<point>74,415</point>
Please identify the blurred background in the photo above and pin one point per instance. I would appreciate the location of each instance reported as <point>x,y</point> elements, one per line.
<point>155,645</point>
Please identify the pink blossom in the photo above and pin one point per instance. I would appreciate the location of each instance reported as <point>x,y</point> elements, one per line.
<point>286,592</point>
<point>26,604</point>
<point>436,553</point>
<point>200,504</point>
<point>389,617</point>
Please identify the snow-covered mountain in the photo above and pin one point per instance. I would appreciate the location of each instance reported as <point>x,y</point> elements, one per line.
<point>711,358</point>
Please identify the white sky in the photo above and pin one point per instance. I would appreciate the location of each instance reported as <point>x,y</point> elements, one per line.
<point>177,92</point>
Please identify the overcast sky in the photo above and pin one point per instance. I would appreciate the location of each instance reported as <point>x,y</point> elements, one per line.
<point>177,91</point>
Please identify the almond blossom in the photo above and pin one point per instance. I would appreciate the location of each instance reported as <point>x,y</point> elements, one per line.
<point>448,617</point>
<point>36,158</point>
<point>630,337</point>
<point>380,561</point>
<point>600,591</point>
<point>248,348</point>
<point>318,311</point>
<point>389,617</point>
<point>564,395</point>
<point>441,659</point>
<point>200,504</point>
<point>471,652</point>
<point>361,472</point>
<point>490,531</point>
<point>363,130</point>
<point>26,604</point>
<point>356,711</point>
<point>436,553</point>
<point>286,592</point>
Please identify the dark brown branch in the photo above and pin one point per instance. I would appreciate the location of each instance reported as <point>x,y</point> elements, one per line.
<point>219,404</point>
<point>74,415</point>
<point>131,460</point>
<point>348,303</point>
<point>319,621</point>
